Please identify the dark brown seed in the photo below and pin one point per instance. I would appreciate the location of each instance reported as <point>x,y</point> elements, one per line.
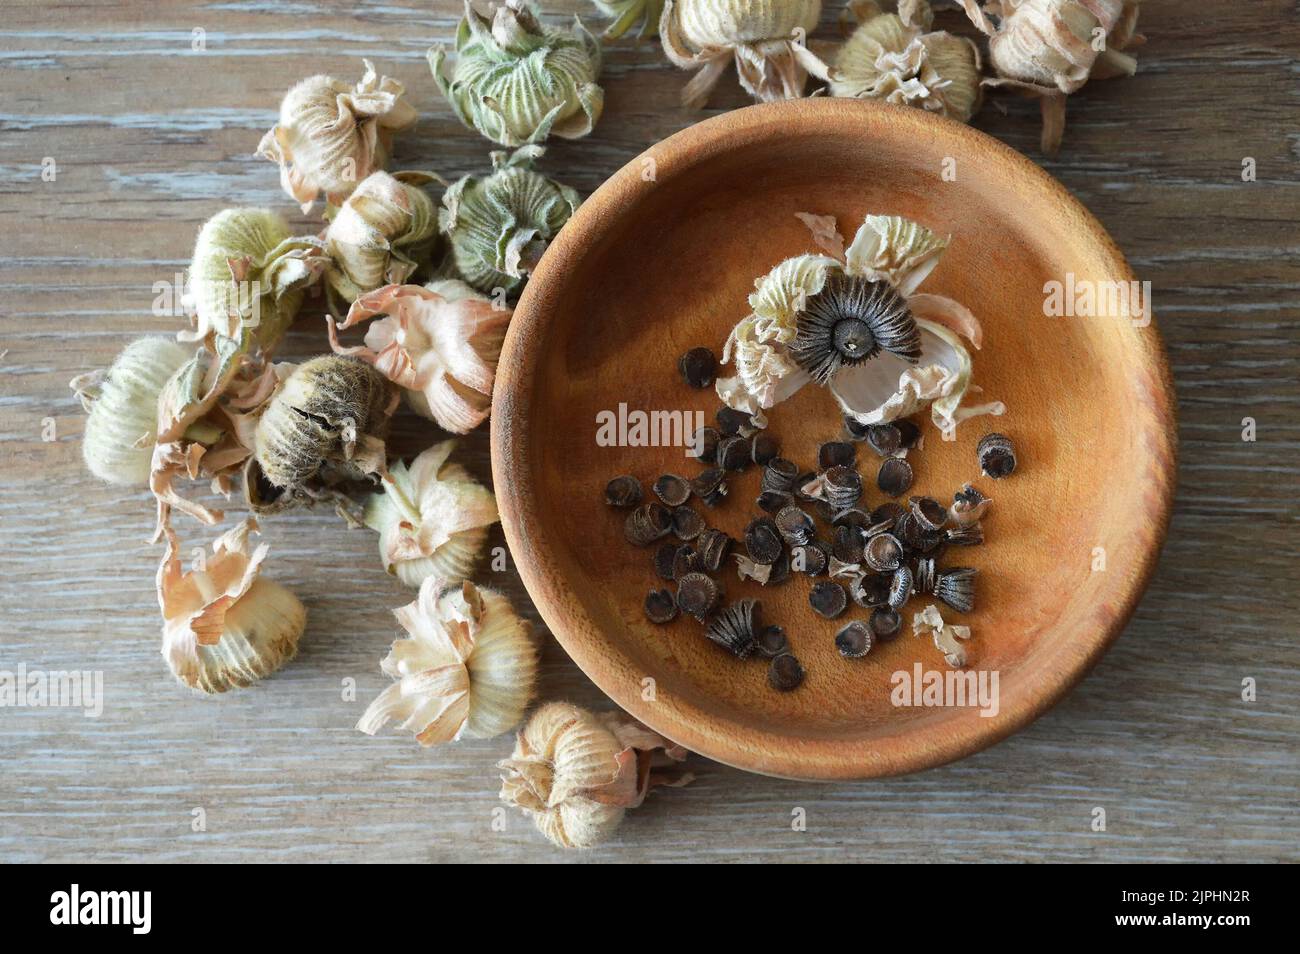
<point>785,674</point>
<point>780,569</point>
<point>648,523</point>
<point>697,594</point>
<point>763,540</point>
<point>997,456</point>
<point>663,561</point>
<point>623,492</point>
<point>852,517</point>
<point>887,512</point>
<point>883,553</point>
<point>870,591</point>
<point>698,366</point>
<point>735,628</point>
<point>828,599</point>
<point>956,587</point>
<point>801,484</point>
<point>855,430</point>
<point>915,537</point>
<point>929,513</point>
<point>900,587</point>
<point>763,448</point>
<point>687,524</point>
<point>836,454</point>
<point>968,536</point>
<point>779,475</point>
<point>825,511</point>
<point>895,476</point>
<point>811,559</point>
<point>772,641</point>
<point>847,545</point>
<point>733,453</point>
<point>924,575</point>
<point>795,526</point>
<point>885,623</point>
<point>710,486</point>
<point>704,446</point>
<point>774,501</point>
<point>672,490</point>
<point>843,486</point>
<point>908,432</point>
<point>686,560</point>
<point>660,607</point>
<point>731,422</point>
<point>884,439</point>
<point>855,640</point>
<point>713,546</point>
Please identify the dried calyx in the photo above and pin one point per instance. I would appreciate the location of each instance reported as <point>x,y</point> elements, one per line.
<point>628,13</point>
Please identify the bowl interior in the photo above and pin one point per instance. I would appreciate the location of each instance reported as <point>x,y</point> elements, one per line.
<point>661,260</point>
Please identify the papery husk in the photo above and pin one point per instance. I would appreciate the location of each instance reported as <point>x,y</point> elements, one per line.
<point>223,625</point>
<point>331,136</point>
<point>432,519</point>
<point>440,343</point>
<point>576,773</point>
<point>518,81</point>
<point>627,13</point>
<point>947,638</point>
<point>467,668</point>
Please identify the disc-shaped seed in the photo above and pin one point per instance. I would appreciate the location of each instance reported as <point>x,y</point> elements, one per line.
<point>852,517</point>
<point>772,641</point>
<point>795,526</point>
<point>929,513</point>
<point>697,594</point>
<point>811,558</point>
<point>664,558</point>
<point>713,546</point>
<point>836,454</point>
<point>847,545</point>
<point>784,673</point>
<point>623,492</point>
<point>828,599</point>
<point>647,523</point>
<point>672,490</point>
<point>733,453</point>
<point>731,422</point>
<point>843,486</point>
<point>763,448</point>
<point>660,607</point>
<point>855,430</point>
<point>908,432</point>
<point>710,486</point>
<point>885,439</point>
<point>779,475</point>
<point>855,640</point>
<point>780,571</point>
<point>685,560</point>
<point>895,476</point>
<point>774,501</point>
<point>687,524</point>
<point>763,540</point>
<point>871,590</point>
<point>996,455</point>
<point>883,553</point>
<point>900,587</point>
<point>885,623</point>
<point>704,445</point>
<point>698,367</point>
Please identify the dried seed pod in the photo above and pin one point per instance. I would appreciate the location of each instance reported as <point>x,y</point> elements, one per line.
<point>660,606</point>
<point>710,486</point>
<point>811,558</point>
<point>795,526</point>
<point>895,476</point>
<point>384,233</point>
<point>763,540</point>
<point>836,454</point>
<point>763,448</point>
<point>885,439</point>
<point>883,553</point>
<point>698,367</point>
<point>785,673</point>
<point>704,446</point>
<point>885,623</point>
<point>732,422</point>
<point>697,594</point>
<point>900,587</point>
<point>734,453</point>
<point>870,590</point>
<point>623,491</point>
<point>929,513</point>
<point>956,587</point>
<point>968,536</point>
<point>924,576</point>
<point>968,506</point>
<point>828,599</point>
<point>664,559</point>
<point>713,546</point>
<point>672,490</point>
<point>848,544</point>
<point>685,560</point>
<point>909,433</point>
<point>996,455</point>
<point>735,628</point>
<point>843,487</point>
<point>779,475</point>
<point>855,640</point>
<point>687,524</point>
<point>852,319</point>
<point>648,523</point>
<point>772,642</point>
<point>774,501</point>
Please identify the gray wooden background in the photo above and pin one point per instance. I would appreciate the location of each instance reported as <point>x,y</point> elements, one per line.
<point>151,138</point>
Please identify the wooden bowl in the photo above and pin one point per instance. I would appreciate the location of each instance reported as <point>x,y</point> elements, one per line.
<point>661,259</point>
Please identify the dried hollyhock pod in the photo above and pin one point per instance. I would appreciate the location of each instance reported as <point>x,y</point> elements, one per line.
<point>660,606</point>
<point>732,422</point>
<point>883,553</point>
<point>842,487</point>
<point>499,225</point>
<point>672,490</point>
<point>627,13</point>
<point>734,453</point>
<point>795,526</point>
<point>735,628</point>
<point>713,547</point>
<point>687,524</point>
<point>785,673</point>
<point>885,623</point>
<point>900,587</point>
<point>575,773</point>
<point>467,668</point>
<point>968,536</point>
<point>698,367</point>
<point>710,486</point>
<point>326,422</point>
<point>779,475</point>
<point>894,477</point>
<point>122,402</point>
<point>763,540</point>
<point>929,513</point>
<point>870,590</point>
<point>836,454</point>
<point>518,81</point>
<point>968,506</point>
<point>331,135</point>
<point>764,37</point>
<point>622,492</point>
<point>828,599</point>
<point>997,456</point>
<point>855,640</point>
<point>648,523</point>
<point>850,321</point>
<point>848,544</point>
<point>704,445</point>
<point>383,234</point>
<point>774,501</point>
<point>763,448</point>
<point>885,439</point>
<point>946,637</point>
<point>772,642</point>
<point>811,558</point>
<point>697,594</point>
<point>956,587</point>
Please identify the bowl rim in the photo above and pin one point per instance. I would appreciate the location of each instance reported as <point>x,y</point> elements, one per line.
<point>702,731</point>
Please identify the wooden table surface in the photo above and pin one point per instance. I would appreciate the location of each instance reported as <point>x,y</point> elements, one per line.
<point>151,137</point>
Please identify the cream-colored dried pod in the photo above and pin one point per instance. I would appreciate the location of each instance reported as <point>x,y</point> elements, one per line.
<point>382,234</point>
<point>432,518</point>
<point>123,403</point>
<point>466,670</point>
<point>332,135</point>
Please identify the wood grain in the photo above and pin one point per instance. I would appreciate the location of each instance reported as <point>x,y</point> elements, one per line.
<point>151,138</point>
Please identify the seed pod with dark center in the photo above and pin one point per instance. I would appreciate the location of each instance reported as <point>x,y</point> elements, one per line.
<point>850,321</point>
<point>929,513</point>
<point>900,587</point>
<point>801,485</point>
<point>672,490</point>
<point>774,501</point>
<point>956,587</point>
<point>795,526</point>
<point>780,569</point>
<point>660,607</point>
<point>854,429</point>
<point>736,627</point>
<point>698,367</point>
<point>847,545</point>
<point>871,590</point>
<point>779,475</point>
<point>843,486</point>
<point>811,558</point>
<point>828,599</point>
<point>883,553</point>
<point>968,536</point>
<point>785,673</point>
<point>687,524</point>
<point>710,486</point>
<point>885,439</point>
<point>908,432</point>
<point>885,623</point>
<point>836,454</point>
<point>704,445</point>
<point>772,641</point>
<point>895,476</point>
<point>733,453</point>
<point>731,422</point>
<point>855,640</point>
<point>686,560</point>
<point>924,575</point>
<point>697,594</point>
<point>763,540</point>
<point>996,455</point>
<point>648,523</point>
<point>763,448</point>
<point>623,492</point>
<point>664,559</point>
<point>713,546</point>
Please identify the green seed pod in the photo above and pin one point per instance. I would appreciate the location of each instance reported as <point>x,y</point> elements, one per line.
<point>383,233</point>
<point>517,81</point>
<point>499,226</point>
<point>123,404</point>
<point>627,13</point>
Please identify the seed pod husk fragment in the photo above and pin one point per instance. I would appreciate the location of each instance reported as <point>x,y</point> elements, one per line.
<point>968,536</point>
<point>785,673</point>
<point>925,575</point>
<point>660,606</point>
<point>623,492</point>
<point>996,455</point>
<point>855,640</point>
<point>828,599</point>
<point>697,594</point>
<point>956,587</point>
<point>735,628</point>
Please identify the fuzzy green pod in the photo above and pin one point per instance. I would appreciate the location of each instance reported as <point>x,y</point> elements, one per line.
<point>627,13</point>
<point>498,226</point>
<point>382,234</point>
<point>123,404</point>
<point>517,81</point>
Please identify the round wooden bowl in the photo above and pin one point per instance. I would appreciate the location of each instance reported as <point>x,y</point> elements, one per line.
<point>661,259</point>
